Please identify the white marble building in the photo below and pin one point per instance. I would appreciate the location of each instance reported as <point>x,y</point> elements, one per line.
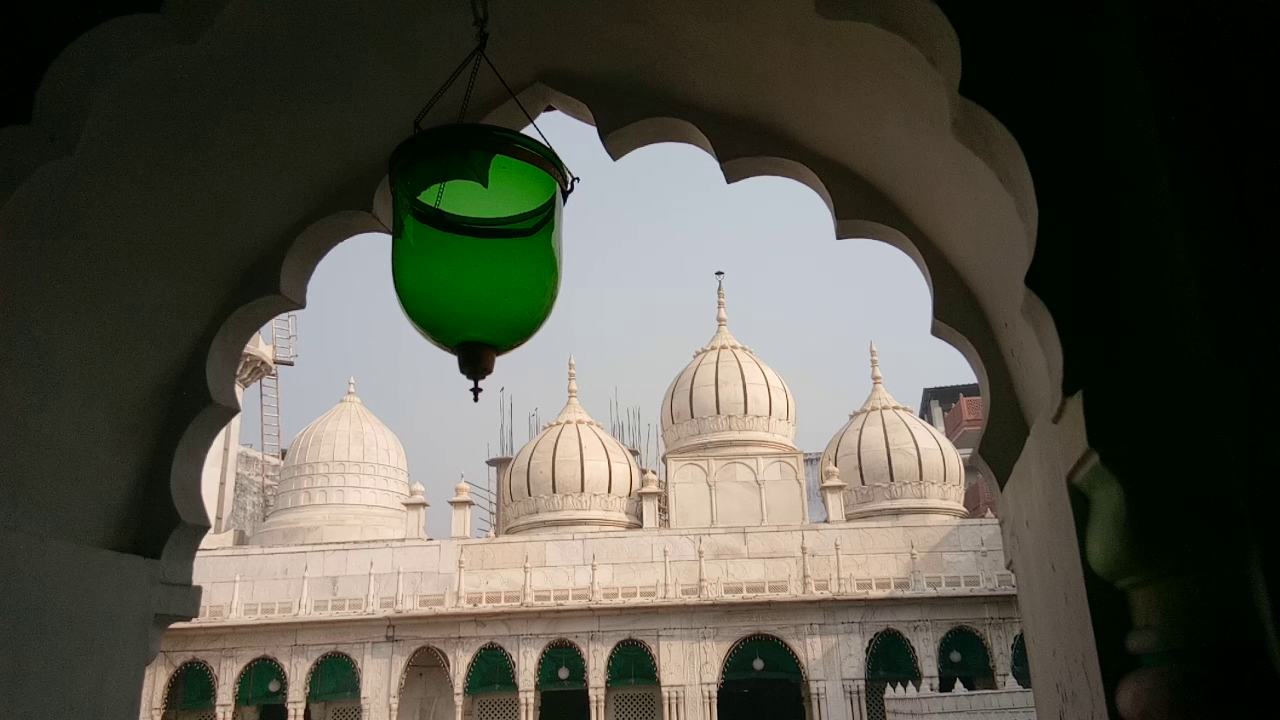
<point>339,606</point>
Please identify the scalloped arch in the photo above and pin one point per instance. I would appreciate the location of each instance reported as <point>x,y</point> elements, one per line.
<point>845,142</point>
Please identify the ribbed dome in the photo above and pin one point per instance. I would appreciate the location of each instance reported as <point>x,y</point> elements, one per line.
<point>893,462</point>
<point>727,396</point>
<point>572,476</point>
<point>345,477</point>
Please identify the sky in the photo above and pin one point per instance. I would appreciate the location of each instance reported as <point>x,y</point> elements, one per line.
<point>643,237</point>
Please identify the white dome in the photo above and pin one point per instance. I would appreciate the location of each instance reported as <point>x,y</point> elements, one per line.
<point>727,396</point>
<point>572,476</point>
<point>893,462</point>
<point>345,477</point>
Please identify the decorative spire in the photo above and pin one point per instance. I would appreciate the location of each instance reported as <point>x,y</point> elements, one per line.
<point>722,318</point>
<point>351,391</point>
<point>879,399</point>
<point>573,412</point>
<point>573,380</point>
<point>722,340</point>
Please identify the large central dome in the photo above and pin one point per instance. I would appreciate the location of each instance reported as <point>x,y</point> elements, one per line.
<point>727,396</point>
<point>345,478</point>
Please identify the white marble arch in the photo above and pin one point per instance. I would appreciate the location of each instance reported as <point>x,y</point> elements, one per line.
<point>432,689</point>
<point>867,105</point>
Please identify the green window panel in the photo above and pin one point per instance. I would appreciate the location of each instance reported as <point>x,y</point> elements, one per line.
<point>490,672</point>
<point>192,688</point>
<point>256,683</point>
<point>562,655</point>
<point>775,661</point>
<point>334,677</point>
<point>631,664</point>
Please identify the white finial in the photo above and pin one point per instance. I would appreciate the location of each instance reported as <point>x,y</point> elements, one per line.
<point>876,377</point>
<point>573,379</point>
<point>722,318</point>
<point>351,385</point>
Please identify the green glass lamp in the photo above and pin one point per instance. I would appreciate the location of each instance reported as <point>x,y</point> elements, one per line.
<point>475,252</point>
<point>475,242</point>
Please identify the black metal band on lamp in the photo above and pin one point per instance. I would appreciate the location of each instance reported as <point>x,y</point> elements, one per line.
<point>475,252</point>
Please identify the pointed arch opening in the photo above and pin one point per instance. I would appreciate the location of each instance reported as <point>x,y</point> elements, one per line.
<point>762,677</point>
<point>333,688</point>
<point>632,688</point>
<point>490,685</point>
<point>891,660</point>
<point>963,658</point>
<point>562,682</point>
<point>190,693</point>
<point>426,687</point>
<point>263,686</point>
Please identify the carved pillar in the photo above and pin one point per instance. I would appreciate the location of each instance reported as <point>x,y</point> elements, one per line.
<point>855,692</point>
<point>817,700</point>
<point>393,708</point>
<point>649,496</point>
<point>667,591</point>
<point>838,587</point>
<point>832,489</point>
<point>596,696</point>
<point>710,697</point>
<point>704,587</point>
<point>711,492</point>
<point>927,653</point>
<point>234,610</point>
<point>459,705</point>
<point>460,527</point>
<point>460,587</point>
<point>806,581</point>
<point>297,709</point>
<point>764,506</point>
<point>415,516</point>
<point>223,712</point>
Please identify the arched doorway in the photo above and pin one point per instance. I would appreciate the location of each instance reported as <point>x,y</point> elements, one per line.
<point>963,658</point>
<point>631,683</point>
<point>890,661</point>
<point>491,685</point>
<point>333,689</point>
<point>261,691</point>
<point>190,693</point>
<point>1019,666</point>
<point>426,692</point>
<point>762,678</point>
<point>562,683</point>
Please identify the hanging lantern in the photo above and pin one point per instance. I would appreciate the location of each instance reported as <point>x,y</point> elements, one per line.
<point>475,253</point>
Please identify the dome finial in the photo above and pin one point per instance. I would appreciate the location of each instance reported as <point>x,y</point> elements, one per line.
<point>876,377</point>
<point>351,396</point>
<point>573,380</point>
<point>722,318</point>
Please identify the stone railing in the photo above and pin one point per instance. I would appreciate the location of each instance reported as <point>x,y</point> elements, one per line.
<point>374,600</point>
<point>1011,703</point>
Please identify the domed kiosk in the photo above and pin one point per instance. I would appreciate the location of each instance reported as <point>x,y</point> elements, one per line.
<point>573,476</point>
<point>893,462</point>
<point>344,478</point>
<point>729,425</point>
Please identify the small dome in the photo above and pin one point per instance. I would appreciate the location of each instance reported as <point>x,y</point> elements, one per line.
<point>417,490</point>
<point>345,477</point>
<point>893,462</point>
<point>727,396</point>
<point>572,476</point>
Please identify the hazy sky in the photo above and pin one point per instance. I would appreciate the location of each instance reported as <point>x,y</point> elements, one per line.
<point>643,237</point>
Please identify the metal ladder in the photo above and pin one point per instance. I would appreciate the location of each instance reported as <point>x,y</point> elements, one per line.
<point>284,340</point>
